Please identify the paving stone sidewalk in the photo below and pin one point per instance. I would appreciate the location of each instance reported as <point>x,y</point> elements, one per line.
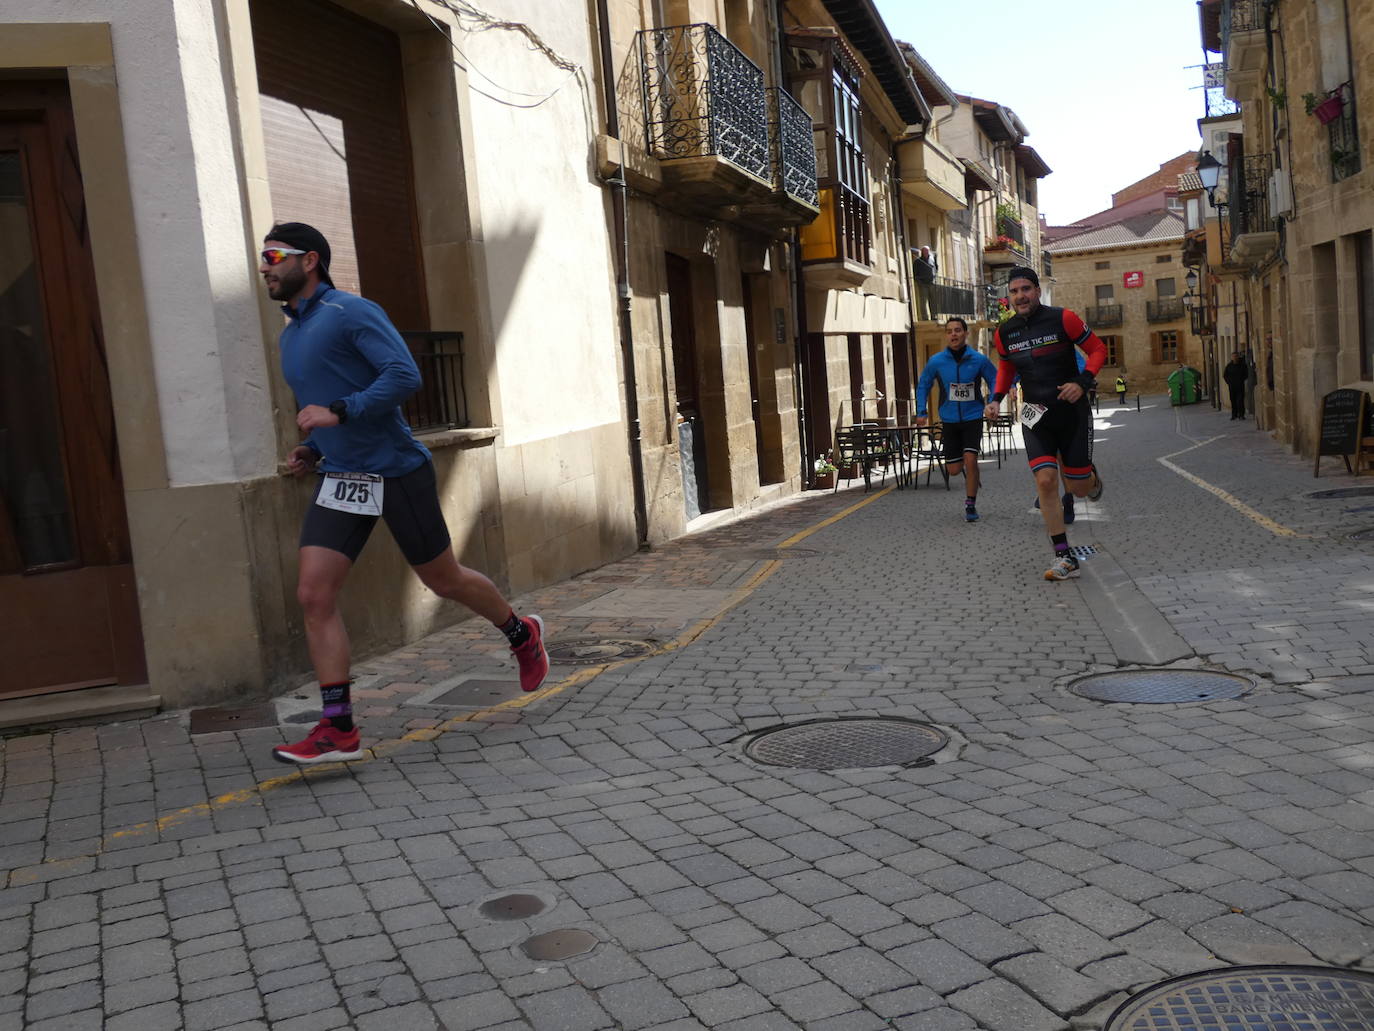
<point>1059,853</point>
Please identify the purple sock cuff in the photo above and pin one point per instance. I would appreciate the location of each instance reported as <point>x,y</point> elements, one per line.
<point>337,709</point>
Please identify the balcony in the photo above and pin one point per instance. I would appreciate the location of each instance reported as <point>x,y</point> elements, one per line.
<point>1103,316</point>
<point>1243,48</point>
<point>1166,309</point>
<point>706,117</point>
<point>1008,247</point>
<point>1254,231</point>
<point>1343,137</point>
<point>932,174</point>
<point>949,297</point>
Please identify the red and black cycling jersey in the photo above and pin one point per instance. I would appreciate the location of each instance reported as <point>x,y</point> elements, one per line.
<point>1040,349</point>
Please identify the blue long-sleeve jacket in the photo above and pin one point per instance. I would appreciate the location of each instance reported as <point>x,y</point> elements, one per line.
<point>969,366</point>
<point>341,347</point>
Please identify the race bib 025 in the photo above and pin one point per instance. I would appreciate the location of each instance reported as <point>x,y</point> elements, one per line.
<point>360,493</point>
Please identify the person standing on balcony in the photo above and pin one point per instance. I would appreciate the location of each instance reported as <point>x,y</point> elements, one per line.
<point>350,370</point>
<point>923,267</point>
<point>960,372</point>
<point>1037,343</point>
<point>1235,374</point>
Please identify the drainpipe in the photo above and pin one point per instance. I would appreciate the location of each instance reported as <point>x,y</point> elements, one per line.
<point>621,219</point>
<point>895,185</point>
<point>796,287</point>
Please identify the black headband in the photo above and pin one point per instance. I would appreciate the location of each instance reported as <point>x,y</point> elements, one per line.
<point>1021,272</point>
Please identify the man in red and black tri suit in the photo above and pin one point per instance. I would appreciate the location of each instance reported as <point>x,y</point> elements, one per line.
<point>1037,343</point>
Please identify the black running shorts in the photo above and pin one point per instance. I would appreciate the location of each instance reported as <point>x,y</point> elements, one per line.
<point>1063,435</point>
<point>410,506</point>
<point>961,437</point>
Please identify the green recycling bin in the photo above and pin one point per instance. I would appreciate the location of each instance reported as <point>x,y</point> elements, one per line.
<point>1183,386</point>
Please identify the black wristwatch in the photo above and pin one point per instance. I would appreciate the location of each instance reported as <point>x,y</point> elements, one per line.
<point>340,409</point>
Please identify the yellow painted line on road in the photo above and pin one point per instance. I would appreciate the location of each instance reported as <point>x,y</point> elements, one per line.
<point>30,874</point>
<point>1278,529</point>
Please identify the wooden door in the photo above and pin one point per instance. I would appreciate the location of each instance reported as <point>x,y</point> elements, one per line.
<point>67,590</point>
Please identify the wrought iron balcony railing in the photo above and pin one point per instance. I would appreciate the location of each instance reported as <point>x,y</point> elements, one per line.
<point>951,297</point>
<point>1103,315</point>
<point>702,98</point>
<point>1249,196</point>
<point>1344,139</point>
<point>793,145</point>
<point>1012,228</point>
<point>1241,16</point>
<point>1166,309</point>
<point>441,403</point>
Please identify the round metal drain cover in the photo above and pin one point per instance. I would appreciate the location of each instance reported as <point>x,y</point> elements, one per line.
<point>1342,492</point>
<point>1363,535</point>
<point>561,944</point>
<point>1280,998</point>
<point>1160,685</point>
<point>513,907</point>
<point>592,650</point>
<point>847,744</point>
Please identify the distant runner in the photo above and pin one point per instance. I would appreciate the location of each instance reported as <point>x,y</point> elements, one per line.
<point>961,372</point>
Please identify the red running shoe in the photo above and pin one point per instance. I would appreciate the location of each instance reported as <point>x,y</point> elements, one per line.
<point>324,744</point>
<point>531,656</point>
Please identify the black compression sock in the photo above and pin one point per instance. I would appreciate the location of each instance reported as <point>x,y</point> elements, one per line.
<point>337,705</point>
<point>1060,542</point>
<point>517,633</point>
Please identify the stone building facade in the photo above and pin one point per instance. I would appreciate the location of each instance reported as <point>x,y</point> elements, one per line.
<point>1298,240</point>
<point>1127,280</point>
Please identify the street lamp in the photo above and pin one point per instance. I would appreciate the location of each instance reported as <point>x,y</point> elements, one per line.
<point>1190,280</point>
<point>1209,171</point>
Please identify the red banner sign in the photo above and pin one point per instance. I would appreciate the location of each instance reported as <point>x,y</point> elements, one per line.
<point>1132,279</point>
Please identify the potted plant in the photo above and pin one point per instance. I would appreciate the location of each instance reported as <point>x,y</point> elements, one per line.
<point>1329,108</point>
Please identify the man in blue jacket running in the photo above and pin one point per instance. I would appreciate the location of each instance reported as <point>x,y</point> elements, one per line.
<point>350,370</point>
<point>961,372</point>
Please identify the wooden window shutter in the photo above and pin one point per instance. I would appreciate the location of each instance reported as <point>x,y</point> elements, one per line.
<point>1156,348</point>
<point>338,147</point>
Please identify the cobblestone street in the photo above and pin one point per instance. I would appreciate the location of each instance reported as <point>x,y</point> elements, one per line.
<point>1057,855</point>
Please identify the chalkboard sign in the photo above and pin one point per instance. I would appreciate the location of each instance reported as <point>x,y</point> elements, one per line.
<point>1342,425</point>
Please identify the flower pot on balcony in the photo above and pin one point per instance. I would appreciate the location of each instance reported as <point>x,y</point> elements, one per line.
<point>1329,109</point>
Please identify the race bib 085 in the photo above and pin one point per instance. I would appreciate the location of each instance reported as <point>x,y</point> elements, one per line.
<point>360,493</point>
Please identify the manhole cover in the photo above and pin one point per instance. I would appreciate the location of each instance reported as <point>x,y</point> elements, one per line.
<point>1363,535</point>
<point>1278,998</point>
<point>847,744</point>
<point>590,651</point>
<point>1342,492</point>
<point>560,944</point>
<point>513,907</point>
<point>1160,685</point>
<point>250,717</point>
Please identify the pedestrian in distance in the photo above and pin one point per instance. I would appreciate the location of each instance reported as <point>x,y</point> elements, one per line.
<point>1121,388</point>
<point>1235,374</point>
<point>350,370</point>
<point>923,267</point>
<point>961,373</point>
<point>1037,343</point>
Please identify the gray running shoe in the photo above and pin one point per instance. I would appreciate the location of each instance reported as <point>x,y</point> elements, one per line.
<point>1064,567</point>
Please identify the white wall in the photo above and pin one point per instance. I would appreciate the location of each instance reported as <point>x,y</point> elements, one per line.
<point>203,318</point>
<point>545,232</point>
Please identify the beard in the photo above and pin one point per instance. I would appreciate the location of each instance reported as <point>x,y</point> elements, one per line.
<point>288,283</point>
